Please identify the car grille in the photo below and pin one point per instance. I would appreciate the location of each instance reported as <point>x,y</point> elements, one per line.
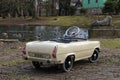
<point>39,55</point>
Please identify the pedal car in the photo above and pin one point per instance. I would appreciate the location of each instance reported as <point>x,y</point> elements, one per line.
<point>62,51</point>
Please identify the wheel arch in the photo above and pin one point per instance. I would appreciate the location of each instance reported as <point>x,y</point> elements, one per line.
<point>70,54</point>
<point>68,62</point>
<point>95,55</point>
<point>97,48</point>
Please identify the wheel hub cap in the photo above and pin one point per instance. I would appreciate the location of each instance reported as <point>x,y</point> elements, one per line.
<point>95,55</point>
<point>69,63</point>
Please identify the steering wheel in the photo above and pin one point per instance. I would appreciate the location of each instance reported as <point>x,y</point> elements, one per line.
<point>72,31</point>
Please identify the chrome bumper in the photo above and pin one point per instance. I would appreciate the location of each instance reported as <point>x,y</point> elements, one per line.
<point>48,61</point>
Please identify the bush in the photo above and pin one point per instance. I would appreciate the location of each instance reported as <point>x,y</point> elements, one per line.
<point>72,10</point>
<point>83,11</point>
<point>112,7</point>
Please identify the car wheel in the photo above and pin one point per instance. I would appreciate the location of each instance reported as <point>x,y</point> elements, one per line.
<point>94,56</point>
<point>36,64</point>
<point>68,64</point>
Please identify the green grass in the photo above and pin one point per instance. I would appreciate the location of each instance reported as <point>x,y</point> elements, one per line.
<point>8,51</point>
<point>19,77</point>
<point>110,43</point>
<point>116,22</point>
<point>81,21</point>
<point>15,18</point>
<point>12,62</point>
<point>113,62</point>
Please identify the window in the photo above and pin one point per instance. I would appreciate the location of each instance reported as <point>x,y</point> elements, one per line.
<point>96,1</point>
<point>88,1</point>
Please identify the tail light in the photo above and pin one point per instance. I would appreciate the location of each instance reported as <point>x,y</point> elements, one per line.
<point>54,52</point>
<point>24,50</point>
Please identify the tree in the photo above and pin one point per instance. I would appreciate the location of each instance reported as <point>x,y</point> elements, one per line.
<point>117,9</point>
<point>112,7</point>
<point>64,7</point>
<point>35,9</point>
<point>13,8</point>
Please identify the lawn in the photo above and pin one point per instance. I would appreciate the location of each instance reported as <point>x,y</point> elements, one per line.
<point>110,43</point>
<point>82,21</point>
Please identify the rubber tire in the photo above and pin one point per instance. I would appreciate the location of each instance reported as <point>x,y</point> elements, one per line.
<point>68,64</point>
<point>94,56</point>
<point>36,64</point>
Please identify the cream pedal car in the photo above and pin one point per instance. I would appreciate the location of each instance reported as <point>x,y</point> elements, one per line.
<point>63,51</point>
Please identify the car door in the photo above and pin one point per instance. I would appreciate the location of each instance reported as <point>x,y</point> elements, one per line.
<point>84,50</point>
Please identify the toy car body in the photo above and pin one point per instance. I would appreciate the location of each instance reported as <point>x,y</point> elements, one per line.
<point>62,52</point>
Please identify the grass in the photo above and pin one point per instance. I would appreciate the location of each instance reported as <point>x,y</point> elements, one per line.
<point>8,51</point>
<point>113,62</point>
<point>71,20</point>
<point>110,43</point>
<point>16,18</point>
<point>19,77</point>
<point>15,76</point>
<point>116,22</point>
<point>81,21</point>
<point>9,48</point>
<point>12,62</point>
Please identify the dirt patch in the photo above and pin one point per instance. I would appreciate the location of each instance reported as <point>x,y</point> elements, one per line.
<point>106,68</point>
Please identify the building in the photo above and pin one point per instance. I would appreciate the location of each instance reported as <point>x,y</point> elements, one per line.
<point>93,3</point>
<point>93,6</point>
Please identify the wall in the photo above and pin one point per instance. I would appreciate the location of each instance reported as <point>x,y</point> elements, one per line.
<point>93,3</point>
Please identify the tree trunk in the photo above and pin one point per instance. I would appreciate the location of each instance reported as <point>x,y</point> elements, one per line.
<point>22,14</point>
<point>35,9</point>
<point>9,15</point>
